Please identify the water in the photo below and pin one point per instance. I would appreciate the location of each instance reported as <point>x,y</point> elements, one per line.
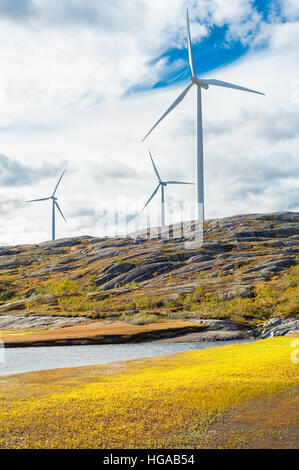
<point>17,360</point>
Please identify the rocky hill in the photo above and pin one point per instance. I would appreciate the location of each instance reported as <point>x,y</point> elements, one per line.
<point>246,271</point>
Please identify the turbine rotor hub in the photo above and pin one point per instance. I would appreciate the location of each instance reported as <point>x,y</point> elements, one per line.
<point>198,82</point>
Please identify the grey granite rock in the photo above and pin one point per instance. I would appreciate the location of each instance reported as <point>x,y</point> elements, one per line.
<point>200,258</point>
<point>62,242</point>
<point>140,273</point>
<point>279,326</point>
<point>21,321</point>
<point>53,269</point>
<point>117,268</point>
<point>273,265</point>
<point>243,291</point>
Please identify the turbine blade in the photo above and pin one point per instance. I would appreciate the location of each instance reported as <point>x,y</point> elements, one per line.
<point>174,104</point>
<point>58,182</point>
<point>177,182</point>
<point>56,204</point>
<point>228,85</point>
<point>155,169</point>
<point>190,53</point>
<point>42,199</point>
<point>149,200</point>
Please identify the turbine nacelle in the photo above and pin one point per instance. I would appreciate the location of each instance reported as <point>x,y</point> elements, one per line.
<point>201,83</point>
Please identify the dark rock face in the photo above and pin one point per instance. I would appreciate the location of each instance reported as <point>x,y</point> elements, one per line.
<point>218,247</point>
<point>139,274</point>
<point>274,265</point>
<point>196,268</point>
<point>277,326</point>
<point>52,269</point>
<point>224,325</point>
<point>14,263</point>
<point>220,330</point>
<point>270,233</point>
<point>8,264</point>
<point>117,268</point>
<point>9,251</point>
<point>113,271</point>
<point>200,258</point>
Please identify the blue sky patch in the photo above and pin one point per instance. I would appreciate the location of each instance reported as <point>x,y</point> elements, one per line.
<point>269,9</point>
<point>215,50</point>
<point>212,52</point>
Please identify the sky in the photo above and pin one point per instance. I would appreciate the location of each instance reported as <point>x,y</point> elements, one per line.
<point>81,83</point>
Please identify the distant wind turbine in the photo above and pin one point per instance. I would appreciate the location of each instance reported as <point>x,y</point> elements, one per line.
<point>54,204</point>
<point>162,185</point>
<point>200,83</point>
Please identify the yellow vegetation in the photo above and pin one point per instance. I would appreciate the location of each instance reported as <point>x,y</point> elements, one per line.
<point>171,401</point>
<point>269,299</point>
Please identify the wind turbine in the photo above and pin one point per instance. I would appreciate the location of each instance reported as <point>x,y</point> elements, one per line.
<point>200,83</point>
<point>55,205</point>
<point>162,185</point>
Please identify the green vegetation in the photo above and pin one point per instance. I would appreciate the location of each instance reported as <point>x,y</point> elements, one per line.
<point>139,318</point>
<point>60,288</point>
<point>60,295</point>
<point>268,299</point>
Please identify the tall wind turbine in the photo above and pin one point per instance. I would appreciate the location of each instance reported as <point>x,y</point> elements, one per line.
<point>200,83</point>
<point>55,205</point>
<point>162,185</point>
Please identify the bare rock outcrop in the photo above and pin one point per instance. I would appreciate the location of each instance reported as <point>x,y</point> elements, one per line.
<point>278,326</point>
<point>237,254</point>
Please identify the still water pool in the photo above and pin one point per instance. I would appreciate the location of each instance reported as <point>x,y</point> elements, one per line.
<point>17,360</point>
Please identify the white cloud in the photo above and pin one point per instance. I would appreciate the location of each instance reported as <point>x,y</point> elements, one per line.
<point>64,91</point>
<point>283,35</point>
<point>291,9</point>
<point>230,11</point>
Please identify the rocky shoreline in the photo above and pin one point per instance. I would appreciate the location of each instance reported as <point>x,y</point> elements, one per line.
<point>226,330</point>
<point>199,330</point>
<point>97,339</point>
<point>277,326</point>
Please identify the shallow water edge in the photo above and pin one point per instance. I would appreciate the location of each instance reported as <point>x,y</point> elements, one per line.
<point>29,359</point>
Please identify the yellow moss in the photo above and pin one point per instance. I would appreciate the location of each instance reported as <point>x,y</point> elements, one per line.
<point>163,402</point>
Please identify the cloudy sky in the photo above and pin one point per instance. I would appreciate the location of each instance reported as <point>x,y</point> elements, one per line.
<point>81,83</point>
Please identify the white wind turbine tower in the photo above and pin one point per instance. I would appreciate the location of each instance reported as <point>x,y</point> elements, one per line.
<point>162,185</point>
<point>200,83</point>
<point>54,205</point>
